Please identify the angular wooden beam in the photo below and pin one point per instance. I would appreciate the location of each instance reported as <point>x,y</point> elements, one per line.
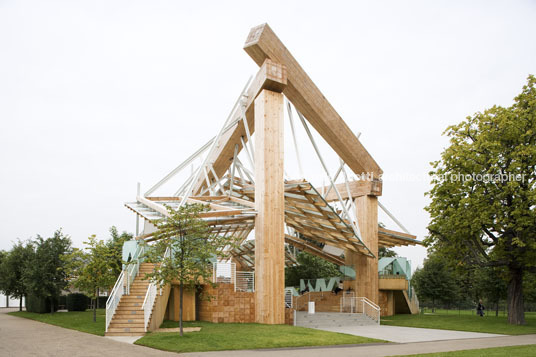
<point>357,189</point>
<point>309,248</point>
<point>262,43</point>
<point>395,238</point>
<point>271,76</point>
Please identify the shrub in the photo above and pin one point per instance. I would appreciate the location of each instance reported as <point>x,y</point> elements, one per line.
<point>102,301</point>
<point>77,302</point>
<point>40,304</point>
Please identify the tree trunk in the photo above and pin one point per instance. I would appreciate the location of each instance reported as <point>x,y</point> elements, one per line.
<point>98,294</point>
<point>497,309</point>
<point>516,313</point>
<point>51,305</point>
<point>20,303</point>
<point>433,306</point>
<point>180,307</point>
<point>95,307</point>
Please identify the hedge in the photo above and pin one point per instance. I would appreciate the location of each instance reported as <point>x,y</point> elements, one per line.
<point>40,304</point>
<point>77,302</point>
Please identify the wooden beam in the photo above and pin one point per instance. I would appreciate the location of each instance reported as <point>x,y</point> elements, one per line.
<point>270,206</point>
<point>307,247</point>
<point>271,76</point>
<point>262,44</point>
<point>357,189</point>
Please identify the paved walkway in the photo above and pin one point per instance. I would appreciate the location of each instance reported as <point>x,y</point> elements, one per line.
<point>23,337</point>
<point>407,334</point>
<point>391,349</point>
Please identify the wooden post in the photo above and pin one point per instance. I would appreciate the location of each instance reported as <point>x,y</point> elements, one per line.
<point>366,283</point>
<point>270,205</point>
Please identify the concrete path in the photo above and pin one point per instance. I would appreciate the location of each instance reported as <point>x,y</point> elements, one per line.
<point>391,349</point>
<point>407,334</point>
<point>23,337</point>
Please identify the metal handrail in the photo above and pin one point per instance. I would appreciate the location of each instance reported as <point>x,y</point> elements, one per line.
<point>148,303</point>
<point>373,306</point>
<point>114,298</point>
<point>150,297</point>
<point>354,308</point>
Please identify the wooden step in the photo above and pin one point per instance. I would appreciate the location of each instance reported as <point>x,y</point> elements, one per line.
<point>130,304</point>
<point>127,329</point>
<point>128,312</point>
<point>127,325</point>
<point>124,334</point>
<point>123,319</point>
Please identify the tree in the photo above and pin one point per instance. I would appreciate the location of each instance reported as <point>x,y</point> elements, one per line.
<point>491,285</point>
<point>483,198</point>
<point>192,249</point>
<point>45,275</point>
<point>310,267</point>
<point>115,244</point>
<point>93,269</point>
<point>12,269</point>
<point>384,252</point>
<point>435,281</point>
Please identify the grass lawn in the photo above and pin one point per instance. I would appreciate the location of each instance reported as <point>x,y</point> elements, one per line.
<point>464,322</point>
<point>74,320</point>
<point>218,337</point>
<point>518,351</point>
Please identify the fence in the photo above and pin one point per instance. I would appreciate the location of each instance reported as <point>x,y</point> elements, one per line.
<point>226,273</point>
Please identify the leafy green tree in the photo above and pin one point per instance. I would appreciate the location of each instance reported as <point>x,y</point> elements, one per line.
<point>529,289</point>
<point>310,267</point>
<point>115,244</point>
<point>435,281</point>
<point>12,269</point>
<point>45,275</point>
<point>491,285</point>
<point>483,198</point>
<point>384,252</point>
<point>192,249</point>
<point>93,269</point>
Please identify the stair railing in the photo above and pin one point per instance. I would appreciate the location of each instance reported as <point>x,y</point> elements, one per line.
<point>150,297</point>
<point>361,305</point>
<point>148,304</point>
<point>370,309</point>
<point>114,298</point>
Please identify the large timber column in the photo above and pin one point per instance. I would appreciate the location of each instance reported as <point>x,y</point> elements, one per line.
<point>270,205</point>
<point>366,283</point>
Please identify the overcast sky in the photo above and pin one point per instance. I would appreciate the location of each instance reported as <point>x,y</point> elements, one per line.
<point>96,96</point>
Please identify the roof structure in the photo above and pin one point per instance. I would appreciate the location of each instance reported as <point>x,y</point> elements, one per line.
<point>312,220</point>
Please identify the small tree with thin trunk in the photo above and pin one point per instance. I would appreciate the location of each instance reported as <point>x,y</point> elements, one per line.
<point>192,250</point>
<point>94,269</point>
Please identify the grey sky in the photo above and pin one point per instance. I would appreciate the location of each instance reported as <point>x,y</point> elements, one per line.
<point>98,95</point>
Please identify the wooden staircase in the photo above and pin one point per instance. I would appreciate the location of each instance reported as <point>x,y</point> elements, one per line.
<point>128,319</point>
